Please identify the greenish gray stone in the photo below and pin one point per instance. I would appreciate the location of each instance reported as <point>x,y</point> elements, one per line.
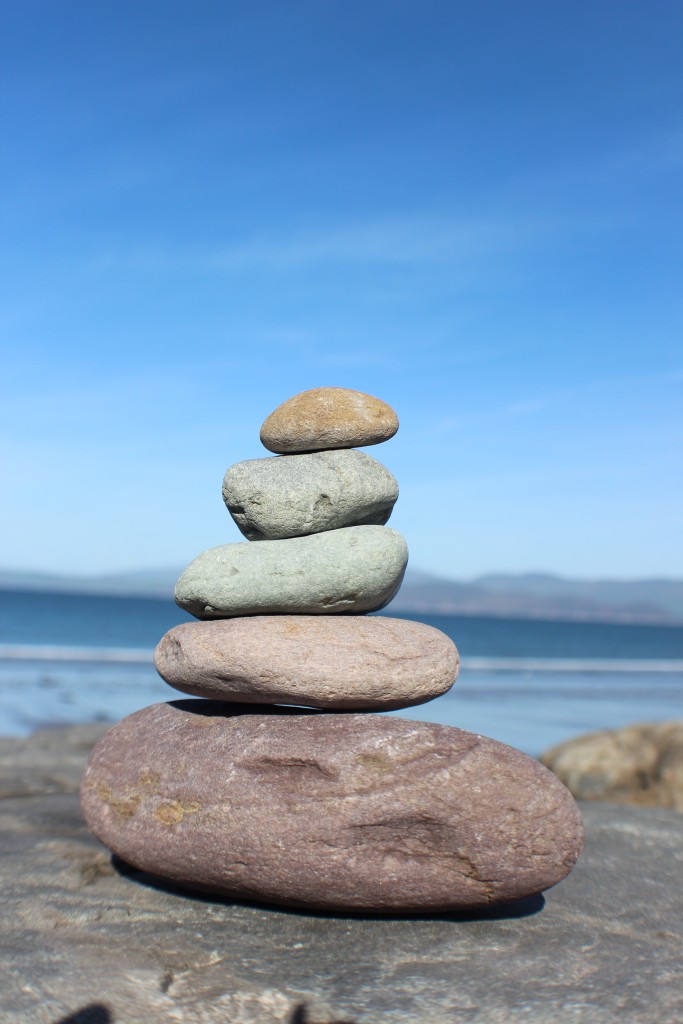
<point>358,569</point>
<point>294,495</point>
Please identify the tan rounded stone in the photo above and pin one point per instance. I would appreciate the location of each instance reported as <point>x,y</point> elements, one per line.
<point>328,418</point>
<point>639,764</point>
<point>333,811</point>
<point>355,662</point>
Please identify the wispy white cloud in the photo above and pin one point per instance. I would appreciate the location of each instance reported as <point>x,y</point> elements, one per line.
<point>658,152</point>
<point>449,241</point>
<point>391,241</point>
<point>595,387</point>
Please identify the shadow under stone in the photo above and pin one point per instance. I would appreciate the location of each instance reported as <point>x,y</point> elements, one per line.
<point>232,709</point>
<point>225,709</point>
<point>96,1013</point>
<point>525,907</point>
<point>300,1016</point>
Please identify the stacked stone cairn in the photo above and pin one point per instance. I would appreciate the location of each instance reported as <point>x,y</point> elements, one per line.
<point>285,786</point>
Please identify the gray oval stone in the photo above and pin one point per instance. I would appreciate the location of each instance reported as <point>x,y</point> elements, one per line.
<point>294,495</point>
<point>354,662</point>
<point>357,569</point>
<point>332,811</point>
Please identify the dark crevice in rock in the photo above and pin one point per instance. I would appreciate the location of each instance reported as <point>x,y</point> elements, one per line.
<point>276,765</point>
<point>167,979</point>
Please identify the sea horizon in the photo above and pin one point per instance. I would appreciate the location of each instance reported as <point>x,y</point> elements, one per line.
<point>68,658</point>
<point>533,595</point>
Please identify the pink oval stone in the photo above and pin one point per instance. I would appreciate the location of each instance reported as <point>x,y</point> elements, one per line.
<point>334,811</point>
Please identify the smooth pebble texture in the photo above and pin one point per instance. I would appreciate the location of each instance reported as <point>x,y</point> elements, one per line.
<point>328,418</point>
<point>333,811</point>
<point>345,662</point>
<point>358,569</point>
<point>294,495</point>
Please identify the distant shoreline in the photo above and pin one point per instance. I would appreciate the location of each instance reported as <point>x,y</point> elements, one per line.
<point>145,656</point>
<point>405,603</point>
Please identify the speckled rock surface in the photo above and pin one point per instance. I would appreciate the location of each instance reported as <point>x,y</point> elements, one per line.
<point>640,764</point>
<point>334,811</point>
<point>328,418</point>
<point>294,495</point>
<point>50,761</point>
<point>90,941</point>
<point>358,569</point>
<point>346,662</point>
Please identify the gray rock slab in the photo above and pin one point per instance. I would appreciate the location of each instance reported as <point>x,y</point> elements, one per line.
<point>350,662</point>
<point>85,940</point>
<point>294,495</point>
<point>328,811</point>
<point>51,761</point>
<point>357,569</point>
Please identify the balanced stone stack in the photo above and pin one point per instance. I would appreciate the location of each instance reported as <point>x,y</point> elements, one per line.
<point>284,785</point>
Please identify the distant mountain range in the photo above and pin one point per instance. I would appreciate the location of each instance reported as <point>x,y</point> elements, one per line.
<point>528,596</point>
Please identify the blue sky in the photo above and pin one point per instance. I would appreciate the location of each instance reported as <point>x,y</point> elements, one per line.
<point>473,211</point>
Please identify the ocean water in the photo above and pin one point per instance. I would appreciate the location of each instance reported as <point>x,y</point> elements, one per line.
<point>73,658</point>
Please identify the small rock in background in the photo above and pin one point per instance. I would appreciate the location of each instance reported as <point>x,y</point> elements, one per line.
<point>328,418</point>
<point>357,569</point>
<point>350,661</point>
<point>296,495</point>
<point>639,764</point>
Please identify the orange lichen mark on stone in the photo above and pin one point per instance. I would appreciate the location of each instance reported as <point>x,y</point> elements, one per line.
<point>173,811</point>
<point>375,762</point>
<point>292,628</point>
<point>148,779</point>
<point>125,805</point>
